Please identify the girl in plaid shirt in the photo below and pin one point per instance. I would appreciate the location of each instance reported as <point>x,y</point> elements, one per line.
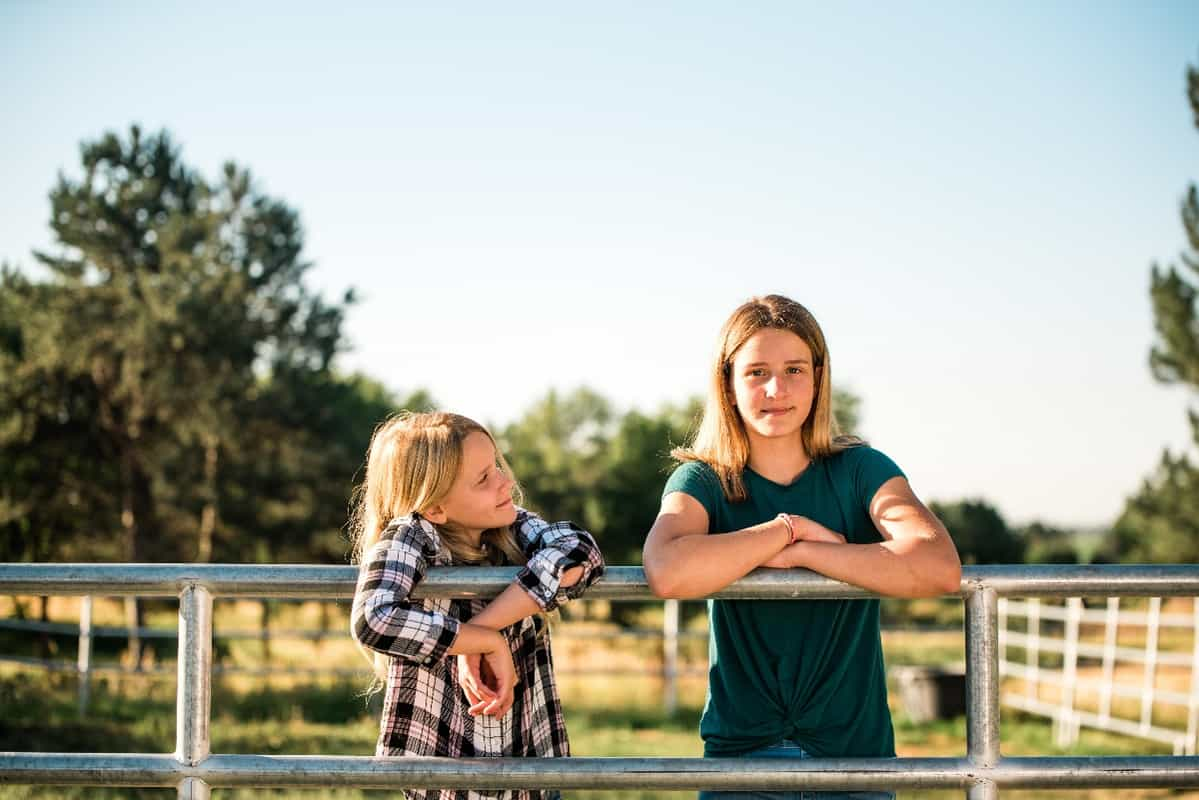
<point>463,677</point>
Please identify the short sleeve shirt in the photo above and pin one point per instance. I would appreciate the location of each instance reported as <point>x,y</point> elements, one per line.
<point>807,670</point>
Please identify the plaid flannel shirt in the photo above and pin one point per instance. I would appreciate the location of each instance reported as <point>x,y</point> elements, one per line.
<point>425,712</point>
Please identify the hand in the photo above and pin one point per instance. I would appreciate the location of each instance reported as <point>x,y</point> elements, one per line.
<point>806,530</point>
<point>571,577</point>
<point>809,530</point>
<point>471,679</point>
<point>488,680</point>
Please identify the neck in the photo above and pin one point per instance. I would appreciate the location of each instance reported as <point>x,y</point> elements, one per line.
<point>475,536</point>
<point>781,460</point>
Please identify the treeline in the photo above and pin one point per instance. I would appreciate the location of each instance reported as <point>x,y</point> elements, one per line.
<point>168,393</point>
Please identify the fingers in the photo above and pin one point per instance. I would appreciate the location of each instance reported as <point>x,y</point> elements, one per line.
<point>504,676</point>
<point>469,678</point>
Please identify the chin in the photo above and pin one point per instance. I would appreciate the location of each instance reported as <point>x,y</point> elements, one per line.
<point>772,430</point>
<point>507,516</point>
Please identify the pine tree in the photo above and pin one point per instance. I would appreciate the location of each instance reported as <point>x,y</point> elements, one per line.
<point>1161,522</point>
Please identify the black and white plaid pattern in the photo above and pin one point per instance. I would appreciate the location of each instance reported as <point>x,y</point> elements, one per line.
<point>425,712</point>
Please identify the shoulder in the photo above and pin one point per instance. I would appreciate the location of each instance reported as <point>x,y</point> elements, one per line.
<point>861,470</point>
<point>411,532</point>
<point>858,457</point>
<point>698,480</point>
<point>691,476</point>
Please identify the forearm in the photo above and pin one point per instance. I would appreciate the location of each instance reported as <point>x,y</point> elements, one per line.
<point>510,606</point>
<point>696,566</point>
<point>474,638</point>
<point>907,568</point>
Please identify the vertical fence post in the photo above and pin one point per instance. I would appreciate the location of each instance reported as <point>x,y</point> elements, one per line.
<point>1147,689</point>
<point>193,705</point>
<point>670,655</point>
<point>135,634</point>
<point>1193,700</point>
<point>982,685</point>
<point>1111,627</point>
<point>1064,724</point>
<point>1032,656</point>
<point>85,654</point>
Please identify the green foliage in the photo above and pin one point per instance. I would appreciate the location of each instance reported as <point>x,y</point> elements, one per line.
<point>981,534</point>
<point>168,392</point>
<point>576,459</point>
<point>1046,544</point>
<point>1159,522</point>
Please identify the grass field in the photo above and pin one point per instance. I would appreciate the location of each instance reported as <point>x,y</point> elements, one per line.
<point>606,716</point>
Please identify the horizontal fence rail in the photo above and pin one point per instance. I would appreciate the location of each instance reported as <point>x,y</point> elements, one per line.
<point>194,771</point>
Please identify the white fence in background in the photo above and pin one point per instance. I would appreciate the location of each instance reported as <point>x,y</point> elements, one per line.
<point>1092,669</point>
<point>85,666</point>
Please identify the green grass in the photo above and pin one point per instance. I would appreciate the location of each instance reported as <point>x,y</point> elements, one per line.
<point>606,717</point>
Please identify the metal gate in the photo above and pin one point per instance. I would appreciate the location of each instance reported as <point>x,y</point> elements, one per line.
<point>195,771</point>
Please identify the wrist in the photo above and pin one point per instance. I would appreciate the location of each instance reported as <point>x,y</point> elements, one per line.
<point>789,525</point>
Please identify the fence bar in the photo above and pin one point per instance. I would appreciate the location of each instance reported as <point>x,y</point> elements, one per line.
<point>619,583</point>
<point>193,771</point>
<point>982,677</point>
<point>594,773</point>
<point>194,697</point>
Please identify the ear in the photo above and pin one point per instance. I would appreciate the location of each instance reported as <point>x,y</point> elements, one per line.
<point>435,514</point>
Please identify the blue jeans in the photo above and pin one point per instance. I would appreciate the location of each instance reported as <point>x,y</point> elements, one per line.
<point>789,749</point>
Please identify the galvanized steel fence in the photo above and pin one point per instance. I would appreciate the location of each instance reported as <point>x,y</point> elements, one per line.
<point>982,772</point>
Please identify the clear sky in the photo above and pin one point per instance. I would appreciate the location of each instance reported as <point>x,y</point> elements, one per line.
<point>968,197</point>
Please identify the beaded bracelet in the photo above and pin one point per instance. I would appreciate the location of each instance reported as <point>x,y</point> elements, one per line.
<point>786,518</point>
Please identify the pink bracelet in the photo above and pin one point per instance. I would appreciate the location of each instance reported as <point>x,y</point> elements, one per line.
<point>786,518</point>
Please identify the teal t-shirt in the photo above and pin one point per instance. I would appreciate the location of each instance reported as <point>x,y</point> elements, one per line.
<point>806,670</point>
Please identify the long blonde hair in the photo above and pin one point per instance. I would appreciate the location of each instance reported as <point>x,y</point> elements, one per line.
<point>413,461</point>
<point>721,440</point>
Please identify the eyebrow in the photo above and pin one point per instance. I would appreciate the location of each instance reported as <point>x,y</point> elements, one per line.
<point>789,361</point>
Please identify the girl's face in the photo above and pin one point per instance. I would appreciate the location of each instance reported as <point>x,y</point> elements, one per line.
<point>773,382</point>
<point>481,496</point>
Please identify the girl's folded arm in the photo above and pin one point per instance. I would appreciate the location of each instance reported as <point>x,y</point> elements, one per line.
<point>682,561</point>
<point>384,618</point>
<point>553,548</point>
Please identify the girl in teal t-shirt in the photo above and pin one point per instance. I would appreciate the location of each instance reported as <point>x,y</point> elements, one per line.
<point>769,482</point>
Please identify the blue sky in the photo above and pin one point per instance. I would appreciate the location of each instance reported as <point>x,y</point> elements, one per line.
<point>526,196</point>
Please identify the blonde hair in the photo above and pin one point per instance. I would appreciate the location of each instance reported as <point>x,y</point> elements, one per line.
<point>413,461</point>
<point>721,440</point>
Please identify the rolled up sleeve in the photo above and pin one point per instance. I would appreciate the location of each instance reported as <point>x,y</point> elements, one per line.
<point>551,549</point>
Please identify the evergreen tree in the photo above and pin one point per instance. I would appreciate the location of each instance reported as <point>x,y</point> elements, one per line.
<point>133,373</point>
<point>1161,522</point>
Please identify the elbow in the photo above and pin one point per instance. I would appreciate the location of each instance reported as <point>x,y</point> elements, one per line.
<point>948,580</point>
<point>661,584</point>
<point>953,578</point>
